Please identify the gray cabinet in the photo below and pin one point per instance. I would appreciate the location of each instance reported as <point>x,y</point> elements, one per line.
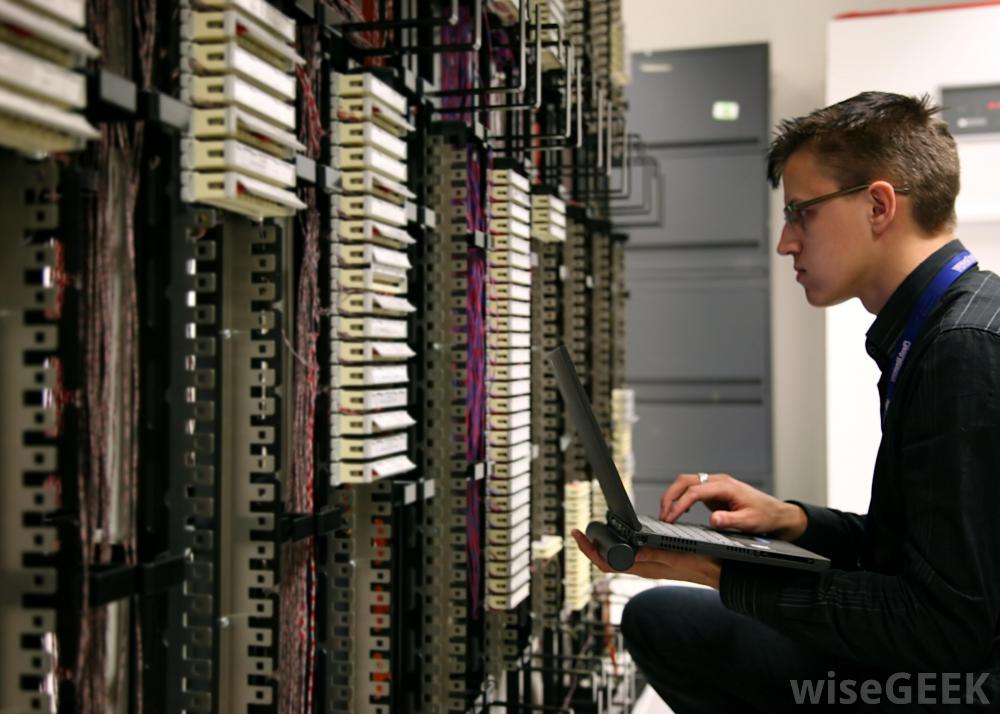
<point>697,268</point>
<point>689,96</point>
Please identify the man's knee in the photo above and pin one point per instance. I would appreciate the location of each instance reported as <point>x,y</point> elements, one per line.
<point>674,619</point>
<point>646,621</point>
<point>632,618</point>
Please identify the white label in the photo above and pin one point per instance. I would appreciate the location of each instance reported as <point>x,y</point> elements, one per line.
<point>392,350</point>
<point>521,198</point>
<point>377,327</point>
<point>725,110</point>
<point>385,211</point>
<point>385,398</point>
<point>386,141</point>
<point>386,375</point>
<point>392,466</point>
<point>520,404</point>
<point>37,76</point>
<point>394,304</point>
<point>259,126</point>
<point>520,371</point>
<point>377,448</point>
<point>386,256</point>
<point>260,102</point>
<point>385,164</point>
<point>387,231</point>
<point>49,29</point>
<point>520,277</point>
<point>261,73</point>
<point>236,183</point>
<point>521,245</point>
<point>520,419</point>
<point>547,201</point>
<point>270,16</point>
<point>262,165</point>
<point>519,467</point>
<point>519,213</point>
<point>518,436</point>
<point>520,292</point>
<point>519,260</point>
<point>384,92</point>
<point>557,232</point>
<point>392,420</point>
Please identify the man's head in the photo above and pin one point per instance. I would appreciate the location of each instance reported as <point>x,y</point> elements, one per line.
<point>869,184</point>
<point>877,135</point>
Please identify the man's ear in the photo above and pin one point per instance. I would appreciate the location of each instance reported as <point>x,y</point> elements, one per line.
<point>883,206</point>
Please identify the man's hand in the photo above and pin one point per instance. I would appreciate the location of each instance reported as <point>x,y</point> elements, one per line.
<point>658,564</point>
<point>734,505</point>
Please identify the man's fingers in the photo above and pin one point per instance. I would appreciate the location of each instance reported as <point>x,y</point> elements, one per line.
<point>741,520</point>
<point>680,484</point>
<point>583,543</point>
<point>708,491</point>
<point>727,519</point>
<point>654,555</point>
<point>590,550</point>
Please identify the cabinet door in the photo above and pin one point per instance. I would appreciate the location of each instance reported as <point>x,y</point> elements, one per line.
<point>698,317</point>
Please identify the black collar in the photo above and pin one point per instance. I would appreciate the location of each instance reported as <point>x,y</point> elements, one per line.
<point>888,326</point>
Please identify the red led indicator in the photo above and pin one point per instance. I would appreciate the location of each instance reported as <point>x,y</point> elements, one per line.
<point>993,106</point>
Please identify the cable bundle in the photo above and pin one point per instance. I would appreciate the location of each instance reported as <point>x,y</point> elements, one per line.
<point>298,584</point>
<point>110,414</point>
<point>458,69</point>
<point>475,383</point>
<point>475,375</point>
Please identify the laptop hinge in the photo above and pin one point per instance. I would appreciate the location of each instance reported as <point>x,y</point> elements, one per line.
<point>618,525</point>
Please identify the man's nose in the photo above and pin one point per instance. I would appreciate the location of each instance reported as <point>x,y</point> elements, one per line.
<point>789,242</point>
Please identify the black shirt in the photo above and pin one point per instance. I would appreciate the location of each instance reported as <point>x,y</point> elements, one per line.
<point>914,585</point>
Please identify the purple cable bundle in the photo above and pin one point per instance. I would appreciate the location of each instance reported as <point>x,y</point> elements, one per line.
<point>475,420</point>
<point>475,373</point>
<point>458,68</point>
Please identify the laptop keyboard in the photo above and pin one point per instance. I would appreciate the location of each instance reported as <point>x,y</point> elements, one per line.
<point>689,532</point>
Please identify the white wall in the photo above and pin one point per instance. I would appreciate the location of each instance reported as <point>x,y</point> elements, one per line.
<point>797,33</point>
<point>913,53</point>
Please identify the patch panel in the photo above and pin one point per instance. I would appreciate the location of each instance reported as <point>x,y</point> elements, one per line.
<point>41,88</point>
<point>237,71</point>
<point>302,282</point>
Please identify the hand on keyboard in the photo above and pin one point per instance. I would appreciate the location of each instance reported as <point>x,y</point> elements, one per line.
<point>735,505</point>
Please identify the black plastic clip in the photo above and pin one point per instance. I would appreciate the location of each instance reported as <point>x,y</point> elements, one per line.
<point>299,526</point>
<point>164,109</point>
<point>117,581</point>
<point>326,178</point>
<point>305,169</point>
<point>110,97</point>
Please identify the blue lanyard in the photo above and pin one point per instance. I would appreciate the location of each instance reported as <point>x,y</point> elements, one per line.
<point>928,299</point>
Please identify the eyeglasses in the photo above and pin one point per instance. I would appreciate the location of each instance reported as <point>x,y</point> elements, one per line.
<point>794,210</point>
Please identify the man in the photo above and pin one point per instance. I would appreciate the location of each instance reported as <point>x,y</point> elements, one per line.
<point>914,587</point>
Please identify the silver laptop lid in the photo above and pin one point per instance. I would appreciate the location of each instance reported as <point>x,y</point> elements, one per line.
<point>590,434</point>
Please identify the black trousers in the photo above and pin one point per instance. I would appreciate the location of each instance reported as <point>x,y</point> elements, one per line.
<point>703,658</point>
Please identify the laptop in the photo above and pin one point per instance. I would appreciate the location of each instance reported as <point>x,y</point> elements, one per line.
<point>624,531</point>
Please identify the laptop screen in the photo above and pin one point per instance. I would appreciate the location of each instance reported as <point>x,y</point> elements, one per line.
<point>590,434</point>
